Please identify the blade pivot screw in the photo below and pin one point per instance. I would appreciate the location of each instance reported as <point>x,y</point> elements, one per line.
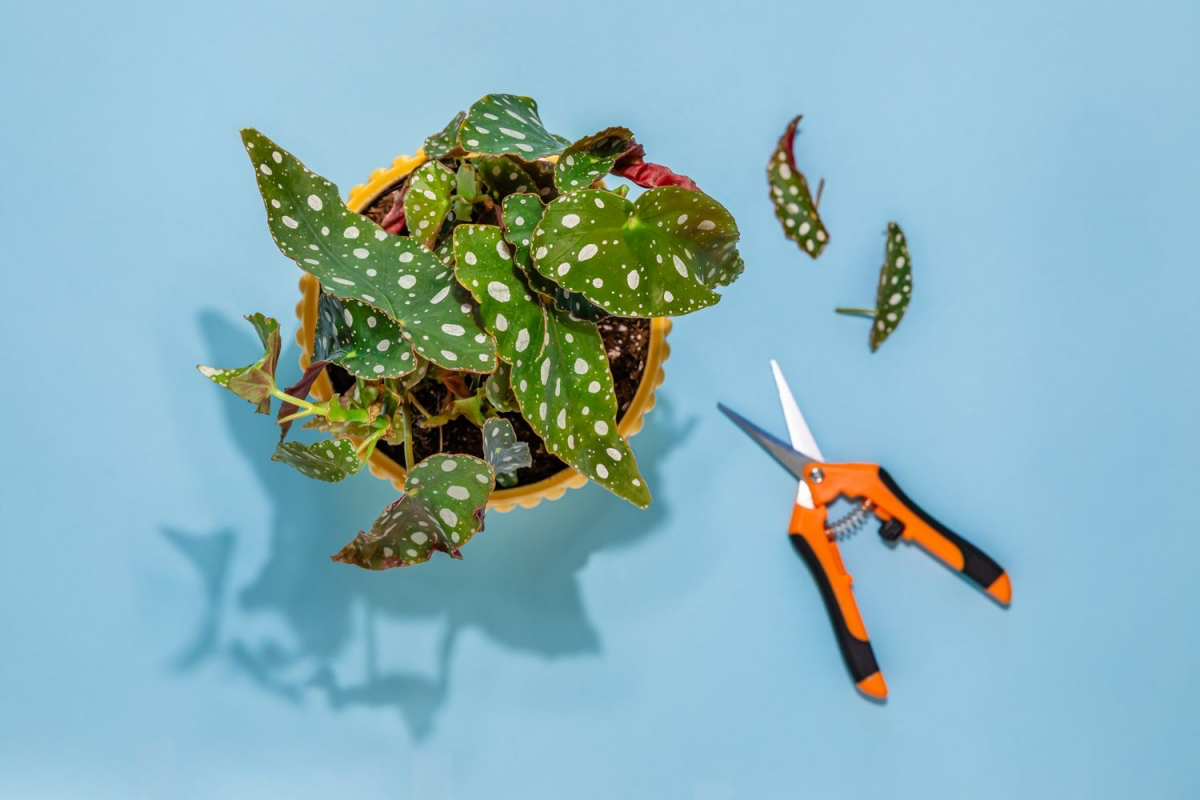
<point>816,475</point>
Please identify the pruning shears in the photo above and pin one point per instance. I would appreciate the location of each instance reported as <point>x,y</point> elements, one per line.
<point>815,540</point>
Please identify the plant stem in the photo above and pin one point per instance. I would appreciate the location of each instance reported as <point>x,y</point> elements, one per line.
<point>857,312</point>
<point>304,406</point>
<point>424,412</point>
<point>408,448</point>
<point>368,444</point>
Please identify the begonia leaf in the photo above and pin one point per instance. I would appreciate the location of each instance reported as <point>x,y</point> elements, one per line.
<point>794,205</point>
<point>329,461</point>
<point>427,202</point>
<point>361,339</point>
<point>895,286</point>
<point>254,382</point>
<point>590,158</point>
<point>445,141</point>
<point>659,256</point>
<point>503,451</point>
<point>499,124</point>
<point>633,166</point>
<point>442,508</point>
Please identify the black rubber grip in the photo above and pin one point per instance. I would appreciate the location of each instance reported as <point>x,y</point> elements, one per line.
<point>977,565</point>
<point>860,659</point>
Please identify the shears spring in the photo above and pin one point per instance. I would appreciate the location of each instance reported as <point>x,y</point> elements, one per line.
<point>851,523</point>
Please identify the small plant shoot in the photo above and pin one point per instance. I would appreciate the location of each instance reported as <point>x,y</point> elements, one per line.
<point>463,323</point>
<point>894,291</point>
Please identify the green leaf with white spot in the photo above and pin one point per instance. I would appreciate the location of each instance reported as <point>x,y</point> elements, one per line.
<point>427,202</point>
<point>503,175</point>
<point>445,141</point>
<point>329,461</point>
<point>254,382</point>
<point>591,158</point>
<point>353,257</point>
<point>564,387</point>
<point>895,286</point>
<point>503,451</point>
<point>442,508</point>
<point>498,389</point>
<point>794,205</point>
<point>522,213</point>
<point>659,256</point>
<point>500,124</point>
<point>360,338</point>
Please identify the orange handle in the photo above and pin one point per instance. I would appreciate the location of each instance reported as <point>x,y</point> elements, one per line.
<point>891,503</point>
<point>808,536</point>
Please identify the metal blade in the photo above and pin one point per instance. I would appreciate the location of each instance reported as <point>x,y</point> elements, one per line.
<point>798,432</point>
<point>788,458</point>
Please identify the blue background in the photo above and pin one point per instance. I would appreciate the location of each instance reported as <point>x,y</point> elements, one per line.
<point>171,625</point>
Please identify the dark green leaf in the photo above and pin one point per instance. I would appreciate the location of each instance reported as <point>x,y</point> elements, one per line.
<point>895,286</point>
<point>360,338</point>
<point>790,195</point>
<point>560,371</point>
<point>427,202</point>
<point>660,256</point>
<point>498,388</point>
<point>591,158</point>
<point>254,382</point>
<point>445,141</point>
<point>442,509</point>
<point>503,175</point>
<point>353,257</point>
<point>506,123</point>
<point>329,461</point>
<point>503,451</point>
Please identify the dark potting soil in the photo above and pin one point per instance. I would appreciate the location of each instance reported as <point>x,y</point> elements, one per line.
<point>627,342</point>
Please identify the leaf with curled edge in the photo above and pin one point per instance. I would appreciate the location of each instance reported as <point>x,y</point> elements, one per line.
<point>498,389</point>
<point>354,258</point>
<point>521,214</point>
<point>361,339</point>
<point>633,166</point>
<point>566,391</point>
<point>329,461</point>
<point>503,451</point>
<point>591,158</point>
<point>442,508</point>
<point>500,124</point>
<point>659,256</point>
<point>427,202</point>
<point>793,202</point>
<point>445,142</point>
<point>254,382</point>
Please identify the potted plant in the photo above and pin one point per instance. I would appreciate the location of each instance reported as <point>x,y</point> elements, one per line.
<point>464,319</point>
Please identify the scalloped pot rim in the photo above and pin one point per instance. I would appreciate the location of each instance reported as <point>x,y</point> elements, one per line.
<point>382,466</point>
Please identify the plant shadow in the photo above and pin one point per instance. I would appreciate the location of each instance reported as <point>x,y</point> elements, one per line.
<point>293,628</point>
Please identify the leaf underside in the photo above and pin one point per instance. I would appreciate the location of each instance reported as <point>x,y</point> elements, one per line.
<point>633,167</point>
<point>499,124</point>
<point>560,372</point>
<point>895,286</point>
<point>353,257</point>
<point>659,256</point>
<point>792,199</point>
<point>329,461</point>
<point>442,508</point>
<point>360,338</point>
<point>253,382</point>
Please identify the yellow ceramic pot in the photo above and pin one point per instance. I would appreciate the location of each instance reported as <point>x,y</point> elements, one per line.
<point>381,466</point>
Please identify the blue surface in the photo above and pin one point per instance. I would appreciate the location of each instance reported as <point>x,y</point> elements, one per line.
<point>172,626</point>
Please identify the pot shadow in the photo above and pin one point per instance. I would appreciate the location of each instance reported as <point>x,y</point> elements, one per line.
<point>518,584</point>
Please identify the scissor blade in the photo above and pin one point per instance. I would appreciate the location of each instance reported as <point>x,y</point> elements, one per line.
<point>788,458</point>
<point>798,432</point>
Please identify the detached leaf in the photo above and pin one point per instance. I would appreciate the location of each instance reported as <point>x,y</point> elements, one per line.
<point>633,167</point>
<point>793,202</point>
<point>895,286</point>
<point>256,381</point>
<point>329,461</point>
<point>445,141</point>
<point>564,387</point>
<point>658,257</point>
<point>360,338</point>
<point>355,258</point>
<point>507,123</point>
<point>503,451</point>
<point>428,201</point>
<point>442,508</point>
<point>591,158</point>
